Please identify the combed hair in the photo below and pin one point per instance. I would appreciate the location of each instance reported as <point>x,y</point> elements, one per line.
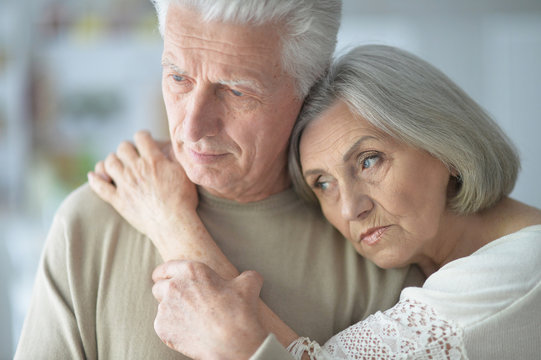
<point>308,29</point>
<point>412,101</point>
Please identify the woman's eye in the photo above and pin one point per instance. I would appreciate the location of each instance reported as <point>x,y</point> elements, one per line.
<point>369,161</point>
<point>322,185</point>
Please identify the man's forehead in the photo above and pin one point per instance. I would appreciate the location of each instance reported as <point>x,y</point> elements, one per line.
<point>186,28</point>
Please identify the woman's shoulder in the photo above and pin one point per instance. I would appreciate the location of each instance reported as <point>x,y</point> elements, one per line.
<point>489,281</point>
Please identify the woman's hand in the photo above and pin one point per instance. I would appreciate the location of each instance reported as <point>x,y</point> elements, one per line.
<point>150,190</point>
<point>204,316</point>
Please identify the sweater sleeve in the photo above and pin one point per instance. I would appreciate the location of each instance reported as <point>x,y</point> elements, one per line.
<point>50,328</point>
<point>271,349</point>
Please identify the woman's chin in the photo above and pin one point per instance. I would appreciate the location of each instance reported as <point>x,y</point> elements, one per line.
<point>387,263</point>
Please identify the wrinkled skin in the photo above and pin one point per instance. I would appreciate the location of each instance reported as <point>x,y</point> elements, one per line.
<point>204,316</point>
<point>150,190</point>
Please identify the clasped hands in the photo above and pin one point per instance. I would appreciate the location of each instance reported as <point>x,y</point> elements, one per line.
<point>204,316</point>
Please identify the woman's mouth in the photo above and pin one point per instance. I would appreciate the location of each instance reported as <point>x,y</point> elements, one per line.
<point>373,235</point>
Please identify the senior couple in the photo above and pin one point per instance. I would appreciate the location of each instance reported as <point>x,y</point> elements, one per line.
<point>402,163</point>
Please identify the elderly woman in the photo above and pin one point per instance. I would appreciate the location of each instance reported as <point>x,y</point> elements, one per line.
<point>412,171</point>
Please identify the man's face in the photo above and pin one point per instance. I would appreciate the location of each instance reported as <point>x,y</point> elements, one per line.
<point>229,104</point>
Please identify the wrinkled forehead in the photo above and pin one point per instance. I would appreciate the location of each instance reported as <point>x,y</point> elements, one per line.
<point>186,27</point>
<point>337,130</point>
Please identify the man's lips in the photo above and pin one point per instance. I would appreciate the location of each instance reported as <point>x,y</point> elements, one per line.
<point>373,235</point>
<point>205,156</point>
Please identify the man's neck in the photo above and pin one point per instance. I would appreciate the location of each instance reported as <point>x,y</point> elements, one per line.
<point>251,194</point>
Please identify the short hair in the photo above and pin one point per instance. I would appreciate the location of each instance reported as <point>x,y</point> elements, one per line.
<point>415,103</point>
<point>308,29</point>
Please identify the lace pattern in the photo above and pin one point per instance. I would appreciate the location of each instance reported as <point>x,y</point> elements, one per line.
<point>409,330</point>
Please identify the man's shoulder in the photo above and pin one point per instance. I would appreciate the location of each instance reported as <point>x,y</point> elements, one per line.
<point>83,205</point>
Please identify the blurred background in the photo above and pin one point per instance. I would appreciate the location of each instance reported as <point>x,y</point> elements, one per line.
<point>79,77</point>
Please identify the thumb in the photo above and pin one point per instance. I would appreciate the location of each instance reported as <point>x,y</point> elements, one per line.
<point>250,283</point>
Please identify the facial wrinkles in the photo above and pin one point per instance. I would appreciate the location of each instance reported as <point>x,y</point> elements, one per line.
<point>212,59</point>
<point>212,43</point>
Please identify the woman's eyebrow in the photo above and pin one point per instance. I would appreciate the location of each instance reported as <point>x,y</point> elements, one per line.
<point>312,172</point>
<point>354,147</point>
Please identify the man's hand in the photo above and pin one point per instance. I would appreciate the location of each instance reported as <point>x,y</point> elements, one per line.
<point>144,185</point>
<point>204,316</point>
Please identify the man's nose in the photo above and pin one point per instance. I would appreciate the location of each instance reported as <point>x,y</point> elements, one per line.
<point>356,204</point>
<point>203,117</point>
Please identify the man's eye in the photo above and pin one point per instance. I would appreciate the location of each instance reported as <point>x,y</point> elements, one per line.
<point>237,93</point>
<point>178,78</point>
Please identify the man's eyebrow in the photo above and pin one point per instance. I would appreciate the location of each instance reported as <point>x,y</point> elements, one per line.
<point>166,62</point>
<point>354,147</point>
<point>246,83</point>
<point>252,84</point>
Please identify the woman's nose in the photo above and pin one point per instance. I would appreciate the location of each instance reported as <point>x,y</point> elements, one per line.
<point>356,205</point>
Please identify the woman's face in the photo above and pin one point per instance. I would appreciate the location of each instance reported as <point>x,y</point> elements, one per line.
<point>386,197</point>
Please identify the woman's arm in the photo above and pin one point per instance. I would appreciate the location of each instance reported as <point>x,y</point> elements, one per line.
<point>152,192</point>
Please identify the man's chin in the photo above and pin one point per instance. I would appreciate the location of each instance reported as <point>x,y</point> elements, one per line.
<point>215,183</point>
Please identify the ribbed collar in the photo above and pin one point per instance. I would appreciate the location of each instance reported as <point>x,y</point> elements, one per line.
<point>285,198</point>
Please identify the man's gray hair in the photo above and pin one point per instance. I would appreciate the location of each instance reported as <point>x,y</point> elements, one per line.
<point>308,29</point>
<point>414,102</point>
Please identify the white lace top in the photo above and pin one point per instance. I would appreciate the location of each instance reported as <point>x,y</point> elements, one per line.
<point>409,330</point>
<point>484,306</point>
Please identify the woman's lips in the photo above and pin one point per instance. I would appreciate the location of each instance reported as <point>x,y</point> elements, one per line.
<point>373,235</point>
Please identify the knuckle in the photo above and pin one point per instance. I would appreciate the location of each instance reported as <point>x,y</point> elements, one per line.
<point>256,276</point>
<point>190,270</point>
<point>172,286</point>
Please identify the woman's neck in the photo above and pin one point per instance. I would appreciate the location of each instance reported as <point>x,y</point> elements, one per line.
<point>462,235</point>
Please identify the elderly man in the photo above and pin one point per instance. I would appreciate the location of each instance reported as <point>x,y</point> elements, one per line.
<point>235,74</point>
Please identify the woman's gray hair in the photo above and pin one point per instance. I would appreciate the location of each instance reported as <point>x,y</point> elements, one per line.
<point>308,29</point>
<point>412,101</point>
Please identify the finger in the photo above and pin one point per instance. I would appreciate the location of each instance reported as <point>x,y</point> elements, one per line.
<point>99,170</point>
<point>159,289</point>
<point>250,283</point>
<point>127,153</point>
<point>103,188</point>
<point>114,167</point>
<point>146,146</point>
<point>165,271</point>
<point>161,327</point>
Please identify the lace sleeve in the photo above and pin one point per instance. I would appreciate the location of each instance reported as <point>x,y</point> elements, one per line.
<point>409,330</point>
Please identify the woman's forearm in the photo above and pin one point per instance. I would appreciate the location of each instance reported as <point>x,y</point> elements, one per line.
<point>195,243</point>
